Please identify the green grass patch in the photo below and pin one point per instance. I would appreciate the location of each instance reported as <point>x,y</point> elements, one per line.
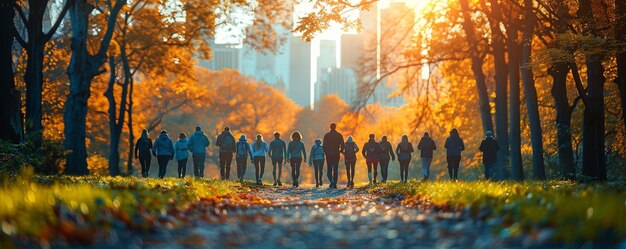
<point>572,211</point>
<point>74,209</point>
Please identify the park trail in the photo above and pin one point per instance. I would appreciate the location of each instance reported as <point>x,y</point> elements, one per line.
<point>309,217</point>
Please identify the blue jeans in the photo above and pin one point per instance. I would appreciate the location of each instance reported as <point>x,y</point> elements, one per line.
<point>426,161</point>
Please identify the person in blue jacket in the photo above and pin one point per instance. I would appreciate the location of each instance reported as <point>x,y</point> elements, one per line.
<point>259,149</point>
<point>295,153</point>
<point>454,145</point>
<point>198,142</point>
<point>316,159</point>
<point>163,149</point>
<point>182,154</point>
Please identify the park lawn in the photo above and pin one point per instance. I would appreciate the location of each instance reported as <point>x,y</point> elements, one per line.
<point>567,211</point>
<point>81,209</point>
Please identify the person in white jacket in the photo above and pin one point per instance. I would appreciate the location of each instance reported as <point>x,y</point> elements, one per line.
<point>259,150</point>
<point>182,154</point>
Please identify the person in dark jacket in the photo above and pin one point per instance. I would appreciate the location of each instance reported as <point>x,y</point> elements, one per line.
<point>404,150</point>
<point>349,156</point>
<point>489,146</point>
<point>295,154</point>
<point>259,150</point>
<point>372,152</point>
<point>198,142</point>
<point>226,143</point>
<point>163,149</point>
<point>316,159</point>
<point>242,152</point>
<point>385,156</point>
<point>143,147</point>
<point>426,146</point>
<point>278,153</point>
<point>454,145</point>
<point>182,154</point>
<point>333,147</point>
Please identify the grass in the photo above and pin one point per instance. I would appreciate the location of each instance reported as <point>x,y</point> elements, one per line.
<point>570,211</point>
<point>75,209</point>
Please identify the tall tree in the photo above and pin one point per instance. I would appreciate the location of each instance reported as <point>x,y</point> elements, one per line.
<point>530,91</point>
<point>83,67</point>
<point>10,111</point>
<point>34,46</point>
<point>594,158</point>
<point>477,57</point>
<point>513,52</point>
<point>498,49</point>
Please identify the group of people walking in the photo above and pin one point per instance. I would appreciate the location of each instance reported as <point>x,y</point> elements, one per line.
<point>327,150</point>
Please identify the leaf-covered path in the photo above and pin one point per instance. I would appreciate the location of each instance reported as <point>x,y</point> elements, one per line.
<point>309,217</point>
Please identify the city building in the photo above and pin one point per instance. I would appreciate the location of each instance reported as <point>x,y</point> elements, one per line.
<point>340,81</point>
<point>299,88</point>
<point>225,56</point>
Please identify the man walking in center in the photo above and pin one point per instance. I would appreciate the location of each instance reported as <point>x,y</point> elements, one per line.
<point>198,142</point>
<point>226,143</point>
<point>333,146</point>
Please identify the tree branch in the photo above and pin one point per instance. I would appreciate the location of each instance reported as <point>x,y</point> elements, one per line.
<point>66,7</point>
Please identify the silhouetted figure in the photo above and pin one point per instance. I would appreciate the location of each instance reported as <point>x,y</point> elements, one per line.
<point>386,154</point>
<point>372,152</point>
<point>489,146</point>
<point>226,143</point>
<point>333,147</point>
<point>316,158</point>
<point>454,145</point>
<point>278,153</point>
<point>349,156</point>
<point>426,146</point>
<point>242,152</point>
<point>163,149</point>
<point>404,150</point>
<point>295,154</point>
<point>259,149</point>
<point>182,154</point>
<point>143,147</point>
<point>198,142</point>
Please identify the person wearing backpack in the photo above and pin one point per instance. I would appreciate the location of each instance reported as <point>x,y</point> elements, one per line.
<point>404,150</point>
<point>426,146</point>
<point>454,145</point>
<point>386,154</point>
<point>226,143</point>
<point>349,156</point>
<point>163,149</point>
<point>372,152</point>
<point>295,153</point>
<point>242,151</point>
<point>182,154</point>
<point>278,153</point>
<point>198,142</point>
<point>142,152</point>
<point>259,149</point>
<point>316,158</point>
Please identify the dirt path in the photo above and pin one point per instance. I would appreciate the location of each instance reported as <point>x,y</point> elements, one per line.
<point>308,217</point>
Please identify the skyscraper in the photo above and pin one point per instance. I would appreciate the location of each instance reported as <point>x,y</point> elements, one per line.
<point>327,60</point>
<point>340,81</point>
<point>224,56</point>
<point>299,89</point>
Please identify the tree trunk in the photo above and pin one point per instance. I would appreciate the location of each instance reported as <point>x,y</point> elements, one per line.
<point>81,71</point>
<point>114,152</point>
<point>558,72</point>
<point>517,169</point>
<point>620,36</point>
<point>497,44</point>
<point>594,158</point>
<point>531,92</point>
<point>34,69</point>
<point>10,111</point>
<point>131,134</point>
<point>477,68</point>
